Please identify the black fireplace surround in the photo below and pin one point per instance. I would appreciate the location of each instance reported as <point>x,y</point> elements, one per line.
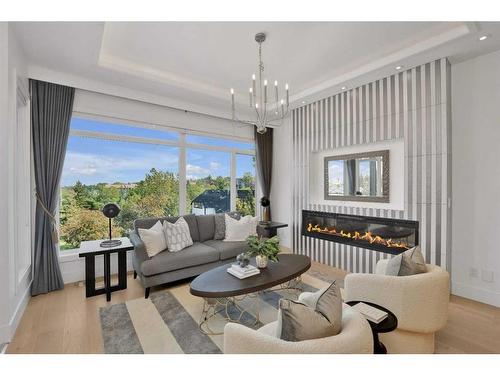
<point>392,236</point>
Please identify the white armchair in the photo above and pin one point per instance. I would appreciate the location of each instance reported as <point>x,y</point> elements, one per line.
<point>355,337</point>
<point>420,302</point>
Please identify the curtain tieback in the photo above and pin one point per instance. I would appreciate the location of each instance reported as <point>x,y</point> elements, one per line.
<point>55,234</point>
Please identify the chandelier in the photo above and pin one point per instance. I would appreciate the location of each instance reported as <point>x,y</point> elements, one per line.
<point>270,110</point>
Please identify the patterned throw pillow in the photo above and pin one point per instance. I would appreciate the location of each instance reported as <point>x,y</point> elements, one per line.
<point>411,262</point>
<point>177,235</point>
<point>320,315</point>
<point>220,224</point>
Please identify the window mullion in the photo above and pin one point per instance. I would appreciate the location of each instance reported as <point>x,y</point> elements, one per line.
<point>233,194</point>
<point>182,174</point>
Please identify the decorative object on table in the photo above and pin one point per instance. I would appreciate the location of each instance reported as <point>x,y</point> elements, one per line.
<point>265,213</point>
<point>371,313</point>
<point>243,272</point>
<point>243,260</point>
<point>264,249</point>
<point>270,109</point>
<point>110,210</point>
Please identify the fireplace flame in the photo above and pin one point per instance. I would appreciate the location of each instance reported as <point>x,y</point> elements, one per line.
<point>367,236</point>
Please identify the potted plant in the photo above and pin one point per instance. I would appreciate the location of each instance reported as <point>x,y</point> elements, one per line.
<point>264,249</point>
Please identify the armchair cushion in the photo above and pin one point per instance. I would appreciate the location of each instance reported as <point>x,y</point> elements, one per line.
<point>411,262</point>
<point>316,315</point>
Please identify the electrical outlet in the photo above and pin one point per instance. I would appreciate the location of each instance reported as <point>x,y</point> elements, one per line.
<point>487,276</point>
<point>473,272</point>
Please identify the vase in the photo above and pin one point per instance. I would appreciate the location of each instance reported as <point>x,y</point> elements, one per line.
<point>261,261</point>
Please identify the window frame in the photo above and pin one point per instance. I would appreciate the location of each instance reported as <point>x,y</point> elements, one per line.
<point>182,145</point>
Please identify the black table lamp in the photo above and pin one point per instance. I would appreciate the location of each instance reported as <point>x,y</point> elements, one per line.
<point>265,214</point>
<point>110,210</point>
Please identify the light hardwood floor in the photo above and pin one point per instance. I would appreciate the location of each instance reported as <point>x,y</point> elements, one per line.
<point>67,322</point>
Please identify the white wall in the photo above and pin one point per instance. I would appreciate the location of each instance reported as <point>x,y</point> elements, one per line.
<point>281,185</point>
<point>476,178</point>
<point>15,280</point>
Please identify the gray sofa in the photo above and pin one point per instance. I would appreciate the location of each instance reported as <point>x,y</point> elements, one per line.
<point>165,267</point>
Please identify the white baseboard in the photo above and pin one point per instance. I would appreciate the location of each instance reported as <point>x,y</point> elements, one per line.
<point>475,293</point>
<point>7,331</point>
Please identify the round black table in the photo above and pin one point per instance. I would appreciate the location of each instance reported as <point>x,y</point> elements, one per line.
<point>387,325</point>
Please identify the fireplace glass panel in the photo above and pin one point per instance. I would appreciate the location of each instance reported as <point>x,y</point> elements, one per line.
<point>392,236</point>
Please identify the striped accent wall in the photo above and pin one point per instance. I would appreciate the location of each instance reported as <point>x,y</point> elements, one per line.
<point>413,105</point>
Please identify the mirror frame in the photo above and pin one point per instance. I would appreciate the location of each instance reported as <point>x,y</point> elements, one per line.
<point>359,198</point>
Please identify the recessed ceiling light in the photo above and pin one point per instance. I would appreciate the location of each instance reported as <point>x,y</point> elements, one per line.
<point>399,67</point>
<point>344,87</point>
<point>483,37</point>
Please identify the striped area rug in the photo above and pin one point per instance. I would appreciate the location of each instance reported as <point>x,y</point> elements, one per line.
<point>167,322</point>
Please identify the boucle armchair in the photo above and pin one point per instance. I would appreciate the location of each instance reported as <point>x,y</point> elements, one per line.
<point>355,337</point>
<point>420,302</point>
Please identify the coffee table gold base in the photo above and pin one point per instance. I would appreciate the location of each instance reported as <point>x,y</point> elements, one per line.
<point>214,306</point>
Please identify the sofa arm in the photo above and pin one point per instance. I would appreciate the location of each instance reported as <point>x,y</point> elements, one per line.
<point>420,302</point>
<point>140,252</point>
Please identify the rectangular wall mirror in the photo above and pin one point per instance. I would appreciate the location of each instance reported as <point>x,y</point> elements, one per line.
<point>357,177</point>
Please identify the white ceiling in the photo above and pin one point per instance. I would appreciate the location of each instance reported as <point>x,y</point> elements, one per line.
<point>196,63</point>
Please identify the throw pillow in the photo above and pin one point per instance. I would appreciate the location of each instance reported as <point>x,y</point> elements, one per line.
<point>177,235</point>
<point>411,262</point>
<point>319,315</point>
<point>220,224</point>
<point>239,230</point>
<point>153,238</point>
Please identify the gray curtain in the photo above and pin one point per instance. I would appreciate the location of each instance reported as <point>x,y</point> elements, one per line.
<point>264,159</point>
<point>51,108</point>
<point>351,176</point>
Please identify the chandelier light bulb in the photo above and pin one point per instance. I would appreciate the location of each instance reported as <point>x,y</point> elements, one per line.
<point>282,101</point>
<point>286,86</point>
<point>275,83</point>
<point>251,90</point>
<point>232,91</point>
<point>257,105</point>
<point>253,77</point>
<point>265,82</point>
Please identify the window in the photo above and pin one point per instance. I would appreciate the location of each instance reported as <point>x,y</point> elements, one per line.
<point>208,181</point>
<point>140,169</point>
<point>245,184</point>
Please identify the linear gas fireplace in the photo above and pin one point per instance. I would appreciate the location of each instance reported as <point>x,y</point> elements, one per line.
<point>391,236</point>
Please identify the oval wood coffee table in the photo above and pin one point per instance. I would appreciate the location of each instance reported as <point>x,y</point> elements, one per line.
<point>222,291</point>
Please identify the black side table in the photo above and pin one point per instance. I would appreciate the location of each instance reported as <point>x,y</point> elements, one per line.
<point>89,250</point>
<point>387,325</point>
<point>270,229</point>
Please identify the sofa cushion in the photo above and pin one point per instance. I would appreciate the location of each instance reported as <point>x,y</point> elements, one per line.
<point>177,235</point>
<point>206,227</point>
<point>154,239</point>
<point>191,256</point>
<point>220,224</point>
<point>190,219</point>
<point>228,250</point>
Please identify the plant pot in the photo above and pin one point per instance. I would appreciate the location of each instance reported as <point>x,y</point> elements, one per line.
<point>261,261</point>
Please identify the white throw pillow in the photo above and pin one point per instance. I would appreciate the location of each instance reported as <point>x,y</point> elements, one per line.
<point>154,239</point>
<point>177,235</point>
<point>239,230</point>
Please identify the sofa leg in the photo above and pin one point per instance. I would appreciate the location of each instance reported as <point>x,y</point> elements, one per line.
<point>135,275</point>
<point>146,293</point>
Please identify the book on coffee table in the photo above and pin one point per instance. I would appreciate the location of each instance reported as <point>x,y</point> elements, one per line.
<point>243,272</point>
<point>369,312</point>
